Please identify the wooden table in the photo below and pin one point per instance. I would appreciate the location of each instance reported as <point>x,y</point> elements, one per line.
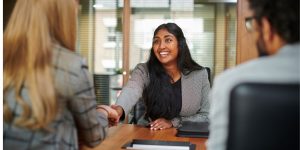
<point>124,133</point>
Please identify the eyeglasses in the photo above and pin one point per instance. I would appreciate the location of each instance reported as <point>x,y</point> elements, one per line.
<point>249,23</point>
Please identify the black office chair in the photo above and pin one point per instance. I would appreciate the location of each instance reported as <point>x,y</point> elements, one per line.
<point>208,75</point>
<point>138,111</point>
<point>264,117</point>
<point>140,108</point>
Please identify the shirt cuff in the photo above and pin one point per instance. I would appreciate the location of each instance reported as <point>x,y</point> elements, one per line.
<point>176,122</point>
<point>123,115</point>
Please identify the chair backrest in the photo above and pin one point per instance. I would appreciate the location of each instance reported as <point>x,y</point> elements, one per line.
<point>208,74</point>
<point>264,117</point>
<point>140,108</point>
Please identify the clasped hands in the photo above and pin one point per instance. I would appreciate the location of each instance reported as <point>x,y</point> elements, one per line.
<point>114,113</point>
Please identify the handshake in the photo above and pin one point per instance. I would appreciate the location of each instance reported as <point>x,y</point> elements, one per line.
<point>113,113</point>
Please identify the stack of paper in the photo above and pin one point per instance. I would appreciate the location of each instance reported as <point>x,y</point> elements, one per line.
<point>161,145</point>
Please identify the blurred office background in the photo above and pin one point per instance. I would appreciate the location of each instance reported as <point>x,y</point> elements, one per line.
<point>210,27</point>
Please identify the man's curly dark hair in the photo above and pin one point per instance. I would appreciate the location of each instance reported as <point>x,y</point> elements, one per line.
<point>283,16</point>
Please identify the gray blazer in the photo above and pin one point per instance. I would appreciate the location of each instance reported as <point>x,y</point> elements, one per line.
<point>282,67</point>
<point>77,104</point>
<point>195,88</point>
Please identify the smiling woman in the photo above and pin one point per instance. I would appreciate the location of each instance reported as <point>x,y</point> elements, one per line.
<point>209,27</point>
<point>173,86</point>
<point>165,48</point>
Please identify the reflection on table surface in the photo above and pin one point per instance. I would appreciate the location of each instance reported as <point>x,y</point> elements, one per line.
<point>124,133</point>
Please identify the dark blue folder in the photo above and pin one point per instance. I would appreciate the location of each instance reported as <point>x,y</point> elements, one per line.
<point>193,129</point>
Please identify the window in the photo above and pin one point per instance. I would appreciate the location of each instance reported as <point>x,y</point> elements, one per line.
<point>209,27</point>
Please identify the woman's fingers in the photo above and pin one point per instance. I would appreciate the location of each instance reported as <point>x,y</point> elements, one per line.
<point>160,124</point>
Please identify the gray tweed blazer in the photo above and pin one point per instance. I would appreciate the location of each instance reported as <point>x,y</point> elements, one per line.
<point>78,115</point>
<point>195,89</point>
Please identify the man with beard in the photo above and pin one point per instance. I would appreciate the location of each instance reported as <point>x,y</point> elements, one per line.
<point>274,26</point>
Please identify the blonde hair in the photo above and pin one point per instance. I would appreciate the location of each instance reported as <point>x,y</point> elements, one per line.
<point>34,28</point>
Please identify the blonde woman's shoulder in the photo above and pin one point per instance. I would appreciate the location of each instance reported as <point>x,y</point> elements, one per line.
<point>66,59</point>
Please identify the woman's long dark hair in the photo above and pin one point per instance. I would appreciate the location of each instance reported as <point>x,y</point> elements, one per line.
<point>158,95</point>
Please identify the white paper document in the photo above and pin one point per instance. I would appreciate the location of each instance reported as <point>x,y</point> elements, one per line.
<point>160,147</point>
